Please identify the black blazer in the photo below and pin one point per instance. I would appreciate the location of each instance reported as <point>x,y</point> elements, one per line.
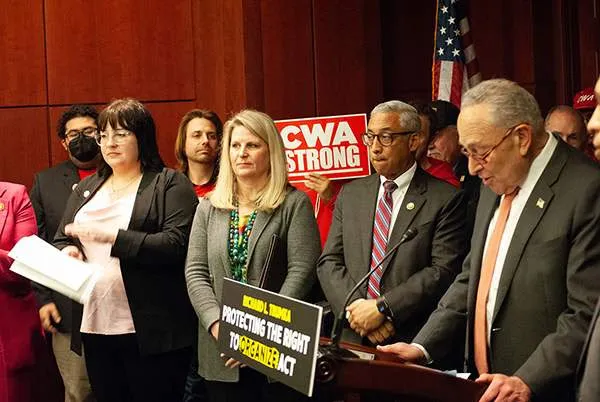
<point>49,194</point>
<point>152,254</point>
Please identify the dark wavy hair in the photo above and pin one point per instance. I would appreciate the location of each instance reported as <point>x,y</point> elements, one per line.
<point>73,112</point>
<point>131,115</point>
<point>182,160</point>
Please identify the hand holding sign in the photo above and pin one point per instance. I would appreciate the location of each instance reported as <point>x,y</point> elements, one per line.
<point>321,184</point>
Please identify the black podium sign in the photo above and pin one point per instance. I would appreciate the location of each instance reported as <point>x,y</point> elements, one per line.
<point>273,334</point>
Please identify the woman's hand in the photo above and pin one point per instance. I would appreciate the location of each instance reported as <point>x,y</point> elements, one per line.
<point>73,251</point>
<point>91,232</point>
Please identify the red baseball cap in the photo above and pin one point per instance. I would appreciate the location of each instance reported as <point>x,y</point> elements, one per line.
<point>584,99</point>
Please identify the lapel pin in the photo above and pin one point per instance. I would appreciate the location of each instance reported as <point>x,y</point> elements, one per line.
<point>86,193</point>
<point>73,186</point>
<point>462,178</point>
<point>539,203</point>
<point>1,206</point>
<point>410,206</point>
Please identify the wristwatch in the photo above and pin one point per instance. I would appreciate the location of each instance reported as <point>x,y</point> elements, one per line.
<point>383,307</point>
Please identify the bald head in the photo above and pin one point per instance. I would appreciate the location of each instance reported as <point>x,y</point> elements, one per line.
<point>568,123</point>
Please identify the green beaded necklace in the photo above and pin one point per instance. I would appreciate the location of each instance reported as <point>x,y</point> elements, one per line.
<point>238,245</point>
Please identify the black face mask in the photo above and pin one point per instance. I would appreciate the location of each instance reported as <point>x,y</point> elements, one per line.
<point>84,148</point>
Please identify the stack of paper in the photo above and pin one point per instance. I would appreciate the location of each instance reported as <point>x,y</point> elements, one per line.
<point>43,263</point>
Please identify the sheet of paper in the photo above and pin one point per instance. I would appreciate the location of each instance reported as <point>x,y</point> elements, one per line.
<point>51,262</point>
<point>41,262</point>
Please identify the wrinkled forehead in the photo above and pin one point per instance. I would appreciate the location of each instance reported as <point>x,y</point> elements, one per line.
<point>475,125</point>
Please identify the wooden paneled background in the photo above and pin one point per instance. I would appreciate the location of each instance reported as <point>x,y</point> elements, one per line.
<point>291,59</point>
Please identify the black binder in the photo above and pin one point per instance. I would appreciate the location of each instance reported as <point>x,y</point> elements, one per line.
<point>274,270</point>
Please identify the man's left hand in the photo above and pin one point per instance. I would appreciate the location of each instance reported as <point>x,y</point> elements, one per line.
<point>364,316</point>
<point>504,389</point>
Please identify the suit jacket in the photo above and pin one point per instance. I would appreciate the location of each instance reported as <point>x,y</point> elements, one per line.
<point>208,263</point>
<point>549,282</point>
<point>49,194</point>
<point>471,186</point>
<point>21,338</point>
<point>152,255</point>
<point>588,370</point>
<point>420,271</point>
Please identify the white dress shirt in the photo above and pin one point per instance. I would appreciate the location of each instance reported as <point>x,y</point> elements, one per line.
<point>535,171</point>
<point>403,182</point>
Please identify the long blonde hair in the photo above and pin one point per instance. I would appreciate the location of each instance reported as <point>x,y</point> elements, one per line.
<point>273,194</point>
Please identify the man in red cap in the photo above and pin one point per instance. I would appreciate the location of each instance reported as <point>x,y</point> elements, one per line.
<point>584,101</point>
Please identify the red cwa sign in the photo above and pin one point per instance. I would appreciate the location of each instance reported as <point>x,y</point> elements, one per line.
<point>331,146</point>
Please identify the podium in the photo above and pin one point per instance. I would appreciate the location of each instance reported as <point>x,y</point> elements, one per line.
<point>353,378</point>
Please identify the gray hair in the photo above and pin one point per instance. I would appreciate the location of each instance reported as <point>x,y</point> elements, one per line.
<point>407,115</point>
<point>568,109</point>
<point>510,103</point>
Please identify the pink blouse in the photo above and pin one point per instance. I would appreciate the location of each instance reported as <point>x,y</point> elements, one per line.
<point>107,311</point>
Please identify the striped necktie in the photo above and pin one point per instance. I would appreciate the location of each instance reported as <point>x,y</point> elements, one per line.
<point>381,228</point>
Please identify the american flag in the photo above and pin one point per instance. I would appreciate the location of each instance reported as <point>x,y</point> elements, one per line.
<point>455,67</point>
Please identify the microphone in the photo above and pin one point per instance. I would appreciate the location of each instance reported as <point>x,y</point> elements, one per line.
<point>336,332</point>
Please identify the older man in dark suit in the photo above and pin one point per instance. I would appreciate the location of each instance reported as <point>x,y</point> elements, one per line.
<point>530,283</point>
<point>588,371</point>
<point>372,214</point>
<point>51,189</point>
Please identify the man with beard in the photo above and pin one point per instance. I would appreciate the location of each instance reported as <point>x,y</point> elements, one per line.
<point>197,148</point>
<point>77,128</point>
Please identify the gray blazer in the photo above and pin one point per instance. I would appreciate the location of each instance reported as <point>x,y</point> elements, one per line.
<point>420,271</point>
<point>549,284</point>
<point>208,263</point>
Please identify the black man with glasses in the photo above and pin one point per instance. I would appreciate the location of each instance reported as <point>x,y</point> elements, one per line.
<point>371,216</point>
<point>77,128</point>
<point>529,285</point>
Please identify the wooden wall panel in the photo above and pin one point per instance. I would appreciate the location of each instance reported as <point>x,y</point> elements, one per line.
<point>116,48</point>
<point>288,59</point>
<point>167,116</point>
<point>22,62</point>
<point>347,45</point>
<point>24,148</point>
<point>588,43</point>
<point>57,151</point>
<point>408,39</point>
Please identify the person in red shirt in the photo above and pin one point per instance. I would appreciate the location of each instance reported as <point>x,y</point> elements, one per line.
<point>197,149</point>
<point>435,167</point>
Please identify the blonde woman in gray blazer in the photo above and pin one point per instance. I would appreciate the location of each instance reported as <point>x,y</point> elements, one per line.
<point>251,203</point>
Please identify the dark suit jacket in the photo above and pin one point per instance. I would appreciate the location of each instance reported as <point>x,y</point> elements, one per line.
<point>471,187</point>
<point>420,271</point>
<point>152,255</point>
<point>549,283</point>
<point>49,194</point>
<point>588,370</point>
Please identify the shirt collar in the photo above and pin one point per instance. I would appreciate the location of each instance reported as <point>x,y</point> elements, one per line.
<point>404,179</point>
<point>539,164</point>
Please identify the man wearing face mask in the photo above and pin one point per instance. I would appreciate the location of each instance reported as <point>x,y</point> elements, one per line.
<point>76,129</point>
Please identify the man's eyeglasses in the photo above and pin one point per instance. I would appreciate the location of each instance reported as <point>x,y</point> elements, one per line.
<point>118,137</point>
<point>88,132</point>
<point>482,159</point>
<point>385,139</point>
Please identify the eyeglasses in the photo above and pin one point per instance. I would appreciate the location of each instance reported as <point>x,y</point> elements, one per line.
<point>385,139</point>
<point>118,137</point>
<point>87,131</point>
<point>482,159</point>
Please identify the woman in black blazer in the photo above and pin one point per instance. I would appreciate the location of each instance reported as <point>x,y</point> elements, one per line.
<point>132,219</point>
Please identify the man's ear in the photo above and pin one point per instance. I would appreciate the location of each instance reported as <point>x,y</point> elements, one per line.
<point>525,138</point>
<point>414,141</point>
<point>63,142</point>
